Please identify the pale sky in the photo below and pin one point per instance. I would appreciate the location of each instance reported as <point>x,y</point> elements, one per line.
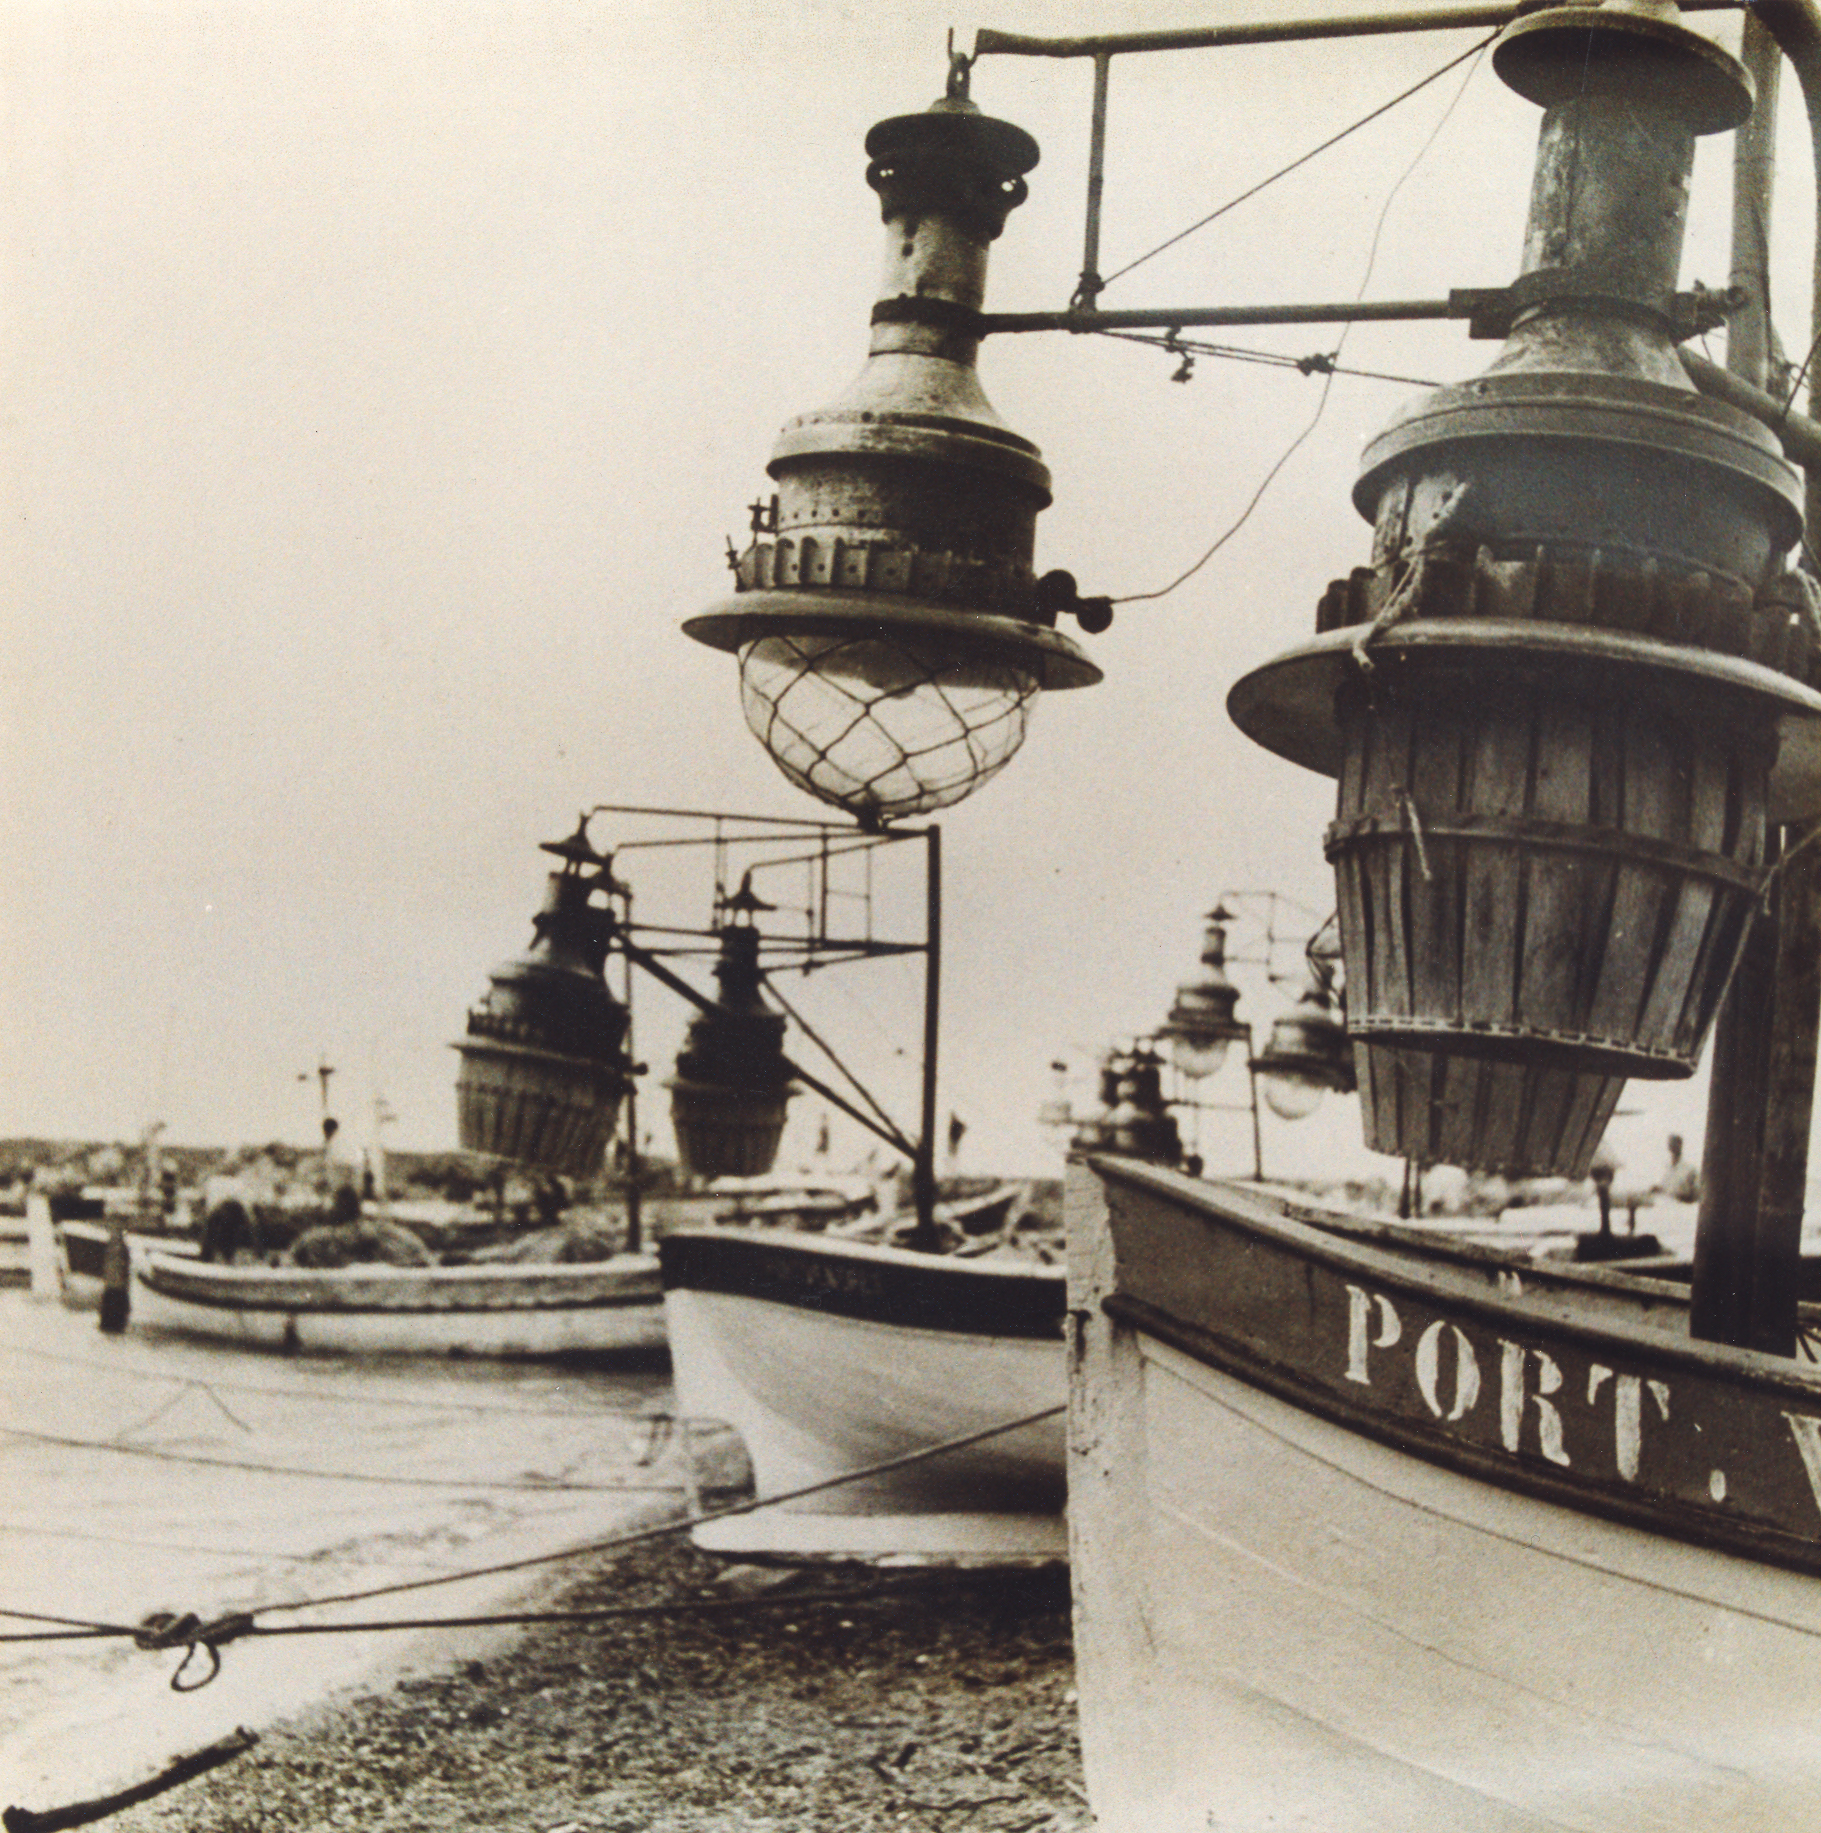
<point>381,380</point>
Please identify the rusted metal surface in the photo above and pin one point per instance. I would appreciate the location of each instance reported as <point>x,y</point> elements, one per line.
<point>908,496</point>
<point>1623,591</point>
<point>1501,894</point>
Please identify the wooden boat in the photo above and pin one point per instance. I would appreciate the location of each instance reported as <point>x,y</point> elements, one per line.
<point>81,1244</point>
<point>604,1307</point>
<point>830,1356</point>
<point>1373,1535</point>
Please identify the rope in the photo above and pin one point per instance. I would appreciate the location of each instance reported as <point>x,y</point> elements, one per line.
<point>1314,152</point>
<point>346,1400</point>
<point>337,1476</point>
<point>172,1630</point>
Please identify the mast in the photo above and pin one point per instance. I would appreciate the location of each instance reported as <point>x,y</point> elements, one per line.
<point>1761,1102</point>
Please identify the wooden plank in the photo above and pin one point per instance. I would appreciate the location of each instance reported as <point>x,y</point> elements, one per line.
<point>1642,894</point>
<point>1495,1114</point>
<point>1494,917</point>
<point>1560,883</point>
<point>1387,773</point>
<point>1435,899</point>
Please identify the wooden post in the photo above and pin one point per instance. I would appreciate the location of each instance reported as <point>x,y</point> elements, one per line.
<point>1726,1232</point>
<point>1789,1101</point>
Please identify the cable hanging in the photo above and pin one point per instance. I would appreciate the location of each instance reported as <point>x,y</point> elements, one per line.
<point>1317,363</point>
<point>1329,371</point>
<point>1314,152</point>
<point>189,1632</point>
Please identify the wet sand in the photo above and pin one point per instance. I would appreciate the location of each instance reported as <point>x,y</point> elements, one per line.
<point>149,1472</point>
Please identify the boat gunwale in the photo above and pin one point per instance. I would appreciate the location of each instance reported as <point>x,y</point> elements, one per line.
<point>1750,1538</point>
<point>184,1281</point>
<point>1435,1281</point>
<point>978,1283</point>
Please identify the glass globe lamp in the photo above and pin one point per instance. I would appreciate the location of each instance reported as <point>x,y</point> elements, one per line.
<point>1202,1025</point>
<point>1291,1096</point>
<point>891,628</point>
<point>883,726</point>
<point>1308,1053</point>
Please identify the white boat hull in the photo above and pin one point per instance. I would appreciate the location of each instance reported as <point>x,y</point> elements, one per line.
<point>1286,1621</point>
<point>817,1393</point>
<point>608,1307</point>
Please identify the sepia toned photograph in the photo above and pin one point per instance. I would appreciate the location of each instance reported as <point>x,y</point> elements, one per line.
<point>910,919</point>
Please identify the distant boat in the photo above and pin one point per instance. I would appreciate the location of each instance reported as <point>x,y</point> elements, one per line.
<point>830,1355</point>
<point>512,1310</point>
<point>81,1243</point>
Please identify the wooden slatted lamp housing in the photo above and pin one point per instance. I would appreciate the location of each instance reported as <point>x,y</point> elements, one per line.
<point>1571,689</point>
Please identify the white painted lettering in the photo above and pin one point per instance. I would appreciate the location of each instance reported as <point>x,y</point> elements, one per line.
<point>1359,1330</point>
<point>1428,1371</point>
<point>1627,1413</point>
<point>1512,1396</point>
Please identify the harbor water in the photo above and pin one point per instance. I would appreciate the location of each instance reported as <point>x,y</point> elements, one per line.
<point>148,1473</point>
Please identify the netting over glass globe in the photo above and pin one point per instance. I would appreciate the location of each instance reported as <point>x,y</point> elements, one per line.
<point>883,726</point>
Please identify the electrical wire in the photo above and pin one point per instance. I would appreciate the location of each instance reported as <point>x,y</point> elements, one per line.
<point>1328,373</point>
<point>1314,152</point>
<point>1321,363</point>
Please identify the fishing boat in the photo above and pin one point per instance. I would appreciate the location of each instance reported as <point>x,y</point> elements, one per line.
<point>81,1248</point>
<point>609,1307</point>
<point>1364,1538</point>
<point>830,1356</point>
<point>1367,1536</point>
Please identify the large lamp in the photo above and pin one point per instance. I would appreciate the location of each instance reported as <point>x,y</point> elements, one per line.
<point>1307,1055</point>
<point>891,632</point>
<point>732,1083</point>
<point>1568,694</point>
<point>543,1072</point>
<point>1095,1133</point>
<point>1202,1025</point>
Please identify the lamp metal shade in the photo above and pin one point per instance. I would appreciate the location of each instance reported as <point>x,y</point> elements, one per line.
<point>729,1096</point>
<point>543,1072</point>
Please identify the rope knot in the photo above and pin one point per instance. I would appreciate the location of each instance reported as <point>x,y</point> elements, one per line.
<point>168,1629</point>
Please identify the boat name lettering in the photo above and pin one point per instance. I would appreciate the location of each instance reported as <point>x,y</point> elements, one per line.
<point>1513,1359</point>
<point>817,1276</point>
<point>1428,1371</point>
<point>1627,1412</point>
<point>1360,1305</point>
<point>1531,1387</point>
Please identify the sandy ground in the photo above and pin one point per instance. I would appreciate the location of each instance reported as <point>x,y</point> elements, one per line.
<point>932,1700</point>
<point>144,1473</point>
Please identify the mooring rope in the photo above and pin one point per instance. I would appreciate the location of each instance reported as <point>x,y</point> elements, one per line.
<point>188,1631</point>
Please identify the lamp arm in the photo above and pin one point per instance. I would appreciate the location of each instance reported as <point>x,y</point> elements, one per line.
<point>641,957</point>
